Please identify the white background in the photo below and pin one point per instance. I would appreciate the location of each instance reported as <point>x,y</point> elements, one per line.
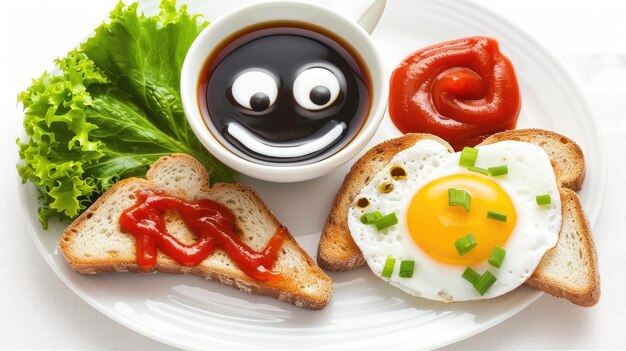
<point>37,311</point>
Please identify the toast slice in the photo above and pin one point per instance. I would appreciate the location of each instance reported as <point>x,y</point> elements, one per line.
<point>94,242</point>
<point>570,269</point>
<point>337,251</point>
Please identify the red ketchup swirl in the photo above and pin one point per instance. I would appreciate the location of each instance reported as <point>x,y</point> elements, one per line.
<point>214,226</point>
<point>462,91</point>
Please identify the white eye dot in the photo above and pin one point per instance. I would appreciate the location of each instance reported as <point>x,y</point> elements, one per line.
<point>255,90</point>
<point>316,88</point>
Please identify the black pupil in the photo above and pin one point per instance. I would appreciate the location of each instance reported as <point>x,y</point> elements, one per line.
<point>320,95</point>
<point>259,102</point>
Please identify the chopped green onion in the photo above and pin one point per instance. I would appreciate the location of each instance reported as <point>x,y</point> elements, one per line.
<point>468,157</point>
<point>543,199</point>
<point>458,197</point>
<point>496,215</point>
<point>497,256</point>
<point>386,221</point>
<point>465,244</point>
<point>370,217</point>
<point>406,268</point>
<point>498,170</point>
<point>471,275</point>
<point>484,282</point>
<point>478,170</point>
<point>388,269</point>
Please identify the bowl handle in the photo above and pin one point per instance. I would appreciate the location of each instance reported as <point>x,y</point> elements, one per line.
<point>366,13</point>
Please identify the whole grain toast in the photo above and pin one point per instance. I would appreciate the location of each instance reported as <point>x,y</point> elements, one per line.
<point>94,242</point>
<point>568,270</point>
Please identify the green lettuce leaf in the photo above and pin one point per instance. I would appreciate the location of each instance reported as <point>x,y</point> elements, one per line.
<point>111,111</point>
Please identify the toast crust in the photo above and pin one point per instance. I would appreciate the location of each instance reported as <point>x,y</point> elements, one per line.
<point>337,250</point>
<point>289,289</point>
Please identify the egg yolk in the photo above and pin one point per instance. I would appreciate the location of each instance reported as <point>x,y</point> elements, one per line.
<point>435,225</point>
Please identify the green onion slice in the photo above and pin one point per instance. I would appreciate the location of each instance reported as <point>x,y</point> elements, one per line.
<point>406,268</point>
<point>478,170</point>
<point>498,170</point>
<point>471,275</point>
<point>468,157</point>
<point>465,244</point>
<point>497,256</point>
<point>386,221</point>
<point>543,199</point>
<point>458,197</point>
<point>484,282</point>
<point>496,216</point>
<point>370,217</point>
<point>388,268</point>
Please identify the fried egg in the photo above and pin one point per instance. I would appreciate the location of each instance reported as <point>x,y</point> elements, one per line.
<point>415,185</point>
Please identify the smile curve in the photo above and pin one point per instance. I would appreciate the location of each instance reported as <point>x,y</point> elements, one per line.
<point>258,145</point>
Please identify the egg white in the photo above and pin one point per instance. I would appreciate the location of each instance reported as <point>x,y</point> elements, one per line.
<point>529,174</point>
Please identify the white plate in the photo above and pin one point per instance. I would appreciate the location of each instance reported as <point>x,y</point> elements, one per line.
<point>364,312</point>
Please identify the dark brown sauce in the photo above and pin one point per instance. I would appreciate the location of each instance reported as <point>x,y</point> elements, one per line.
<point>283,50</point>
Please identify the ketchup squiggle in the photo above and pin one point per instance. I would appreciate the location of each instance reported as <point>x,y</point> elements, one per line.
<point>214,225</point>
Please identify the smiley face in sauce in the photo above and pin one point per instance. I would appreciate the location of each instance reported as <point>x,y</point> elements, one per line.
<point>284,94</point>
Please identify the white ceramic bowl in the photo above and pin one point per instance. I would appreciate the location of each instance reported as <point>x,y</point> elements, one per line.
<point>269,11</point>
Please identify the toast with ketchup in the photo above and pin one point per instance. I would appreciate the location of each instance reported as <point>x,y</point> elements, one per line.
<point>175,222</point>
